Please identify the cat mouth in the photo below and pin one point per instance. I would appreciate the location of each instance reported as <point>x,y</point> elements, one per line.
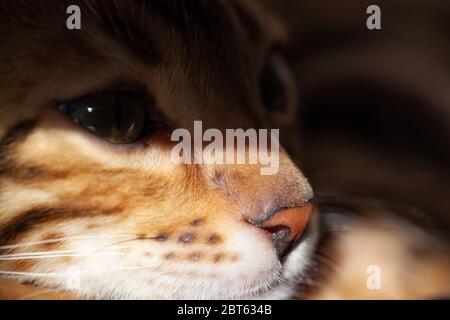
<point>294,268</point>
<point>295,265</point>
<point>309,232</point>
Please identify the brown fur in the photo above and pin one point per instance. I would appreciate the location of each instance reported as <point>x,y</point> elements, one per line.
<point>77,185</point>
<point>196,60</point>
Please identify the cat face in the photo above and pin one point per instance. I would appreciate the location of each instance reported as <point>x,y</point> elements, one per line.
<point>81,212</point>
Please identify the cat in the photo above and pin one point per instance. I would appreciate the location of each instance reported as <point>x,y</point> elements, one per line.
<point>89,210</point>
<point>90,202</point>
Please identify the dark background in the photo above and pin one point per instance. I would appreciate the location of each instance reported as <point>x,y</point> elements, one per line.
<point>374,116</point>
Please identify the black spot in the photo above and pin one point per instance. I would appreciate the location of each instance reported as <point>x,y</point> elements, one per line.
<point>197,222</point>
<point>186,238</point>
<point>214,239</point>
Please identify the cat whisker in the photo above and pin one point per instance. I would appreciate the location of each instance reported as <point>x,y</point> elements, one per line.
<point>57,252</point>
<point>60,256</point>
<point>34,243</point>
<point>65,274</point>
<point>33,274</point>
<point>69,253</point>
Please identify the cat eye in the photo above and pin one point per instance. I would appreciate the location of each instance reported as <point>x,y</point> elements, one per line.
<point>273,84</point>
<point>119,117</point>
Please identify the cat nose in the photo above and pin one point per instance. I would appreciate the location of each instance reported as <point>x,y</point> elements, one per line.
<point>287,226</point>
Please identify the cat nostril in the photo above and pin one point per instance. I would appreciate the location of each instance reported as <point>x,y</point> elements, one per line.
<point>287,226</point>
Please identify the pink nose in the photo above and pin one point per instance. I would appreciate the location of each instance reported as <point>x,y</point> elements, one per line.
<point>287,226</point>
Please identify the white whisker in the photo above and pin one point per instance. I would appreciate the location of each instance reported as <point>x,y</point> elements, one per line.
<point>28,244</point>
<point>64,274</point>
<point>86,251</point>
<point>61,256</point>
<point>32,274</point>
